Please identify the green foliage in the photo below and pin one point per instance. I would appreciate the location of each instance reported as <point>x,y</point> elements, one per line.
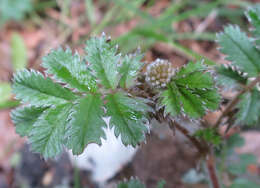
<point>14,9</point>
<point>47,134</point>
<point>69,69</point>
<point>105,61</point>
<point>243,183</point>
<point>31,87</point>
<point>240,50</point>
<point>129,69</point>
<point>86,123</point>
<point>249,108</point>
<point>25,117</point>
<point>253,16</point>
<point>19,52</point>
<point>68,110</point>
<point>238,167</point>
<point>230,78</point>
<point>135,183</point>
<point>192,91</point>
<point>210,135</point>
<point>127,117</point>
<point>5,92</point>
<point>244,54</point>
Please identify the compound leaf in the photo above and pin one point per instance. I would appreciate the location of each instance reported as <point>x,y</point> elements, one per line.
<point>47,134</point>
<point>230,78</point>
<point>69,69</point>
<point>127,117</point>
<point>192,90</point>
<point>191,68</point>
<point>169,99</point>
<point>239,50</point>
<point>196,80</point>
<point>192,104</point>
<point>86,125</point>
<point>25,117</point>
<point>249,108</point>
<point>253,16</point>
<point>31,87</point>
<point>103,61</point>
<point>210,98</point>
<point>130,68</point>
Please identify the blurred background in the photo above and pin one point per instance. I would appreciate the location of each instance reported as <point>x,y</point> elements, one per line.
<point>177,30</point>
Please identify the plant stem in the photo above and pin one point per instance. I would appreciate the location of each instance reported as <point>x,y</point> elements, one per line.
<point>202,149</point>
<point>236,100</point>
<point>185,132</point>
<point>211,167</point>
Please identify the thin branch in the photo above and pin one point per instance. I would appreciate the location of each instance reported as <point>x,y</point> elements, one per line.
<point>185,132</point>
<point>236,100</point>
<point>211,166</point>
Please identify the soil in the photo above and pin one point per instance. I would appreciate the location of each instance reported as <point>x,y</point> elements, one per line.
<point>159,159</point>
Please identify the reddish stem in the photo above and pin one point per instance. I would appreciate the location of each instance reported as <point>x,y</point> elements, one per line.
<point>211,166</point>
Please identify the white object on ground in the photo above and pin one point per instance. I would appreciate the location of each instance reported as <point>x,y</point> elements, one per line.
<point>106,160</point>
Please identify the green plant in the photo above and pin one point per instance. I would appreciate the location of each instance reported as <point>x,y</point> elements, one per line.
<point>135,183</point>
<point>14,9</point>
<point>65,108</point>
<point>19,62</point>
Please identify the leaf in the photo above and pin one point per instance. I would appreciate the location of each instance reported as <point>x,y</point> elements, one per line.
<point>69,69</point>
<point>47,134</point>
<point>253,16</point>
<point>103,61</point>
<point>210,98</point>
<point>86,125</point>
<point>14,9</point>
<point>196,80</point>
<point>25,117</point>
<point>131,66</point>
<point>169,98</point>
<point>249,108</point>
<point>191,68</point>
<point>192,104</point>
<point>31,87</point>
<point>127,117</point>
<point>193,76</point>
<point>230,78</point>
<point>161,184</point>
<point>210,135</point>
<point>19,52</point>
<point>5,92</point>
<point>239,50</point>
<point>133,183</point>
<point>191,91</point>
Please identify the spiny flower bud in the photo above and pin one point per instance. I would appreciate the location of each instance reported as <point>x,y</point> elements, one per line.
<point>159,73</point>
